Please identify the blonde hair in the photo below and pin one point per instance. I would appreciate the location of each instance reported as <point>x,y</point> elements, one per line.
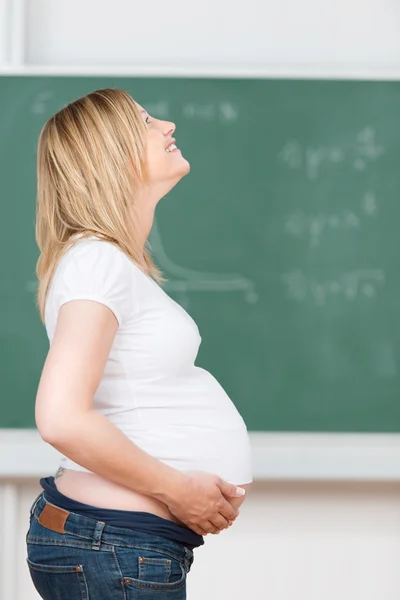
<point>90,160</point>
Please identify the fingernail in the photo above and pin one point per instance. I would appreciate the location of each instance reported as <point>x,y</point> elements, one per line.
<point>240,491</point>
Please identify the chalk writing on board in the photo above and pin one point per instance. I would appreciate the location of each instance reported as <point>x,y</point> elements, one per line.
<point>159,109</point>
<point>224,111</point>
<point>31,286</point>
<point>187,280</point>
<point>40,102</point>
<point>367,149</point>
<point>310,158</point>
<point>349,285</point>
<point>369,204</point>
<point>228,112</point>
<point>363,150</point>
<point>299,224</point>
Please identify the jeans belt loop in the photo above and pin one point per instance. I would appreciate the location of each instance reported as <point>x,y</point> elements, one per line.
<point>98,531</point>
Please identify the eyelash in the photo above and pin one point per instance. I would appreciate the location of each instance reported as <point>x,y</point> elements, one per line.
<point>146,119</point>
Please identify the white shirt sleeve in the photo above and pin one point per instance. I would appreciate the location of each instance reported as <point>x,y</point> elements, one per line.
<point>97,270</point>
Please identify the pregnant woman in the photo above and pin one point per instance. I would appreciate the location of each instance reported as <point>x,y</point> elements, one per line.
<point>154,454</point>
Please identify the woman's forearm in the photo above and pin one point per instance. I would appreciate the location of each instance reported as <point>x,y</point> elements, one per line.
<point>91,440</point>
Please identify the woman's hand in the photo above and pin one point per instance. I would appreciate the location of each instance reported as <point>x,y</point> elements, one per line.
<point>199,501</point>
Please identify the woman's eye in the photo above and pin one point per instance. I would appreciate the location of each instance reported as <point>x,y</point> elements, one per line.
<point>147,119</point>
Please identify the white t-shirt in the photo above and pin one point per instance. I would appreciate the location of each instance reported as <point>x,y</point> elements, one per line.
<point>151,389</point>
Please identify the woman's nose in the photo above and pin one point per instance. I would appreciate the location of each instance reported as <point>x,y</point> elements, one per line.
<point>169,127</point>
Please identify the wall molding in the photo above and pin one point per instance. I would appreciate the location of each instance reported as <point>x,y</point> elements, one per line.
<point>268,71</point>
<point>276,456</point>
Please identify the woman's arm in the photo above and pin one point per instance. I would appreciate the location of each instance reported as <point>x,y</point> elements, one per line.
<point>66,420</point>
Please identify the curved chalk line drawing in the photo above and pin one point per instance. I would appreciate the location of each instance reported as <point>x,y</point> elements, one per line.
<point>186,280</point>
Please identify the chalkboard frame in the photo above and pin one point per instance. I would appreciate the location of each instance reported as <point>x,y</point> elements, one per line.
<point>276,456</point>
<point>369,456</point>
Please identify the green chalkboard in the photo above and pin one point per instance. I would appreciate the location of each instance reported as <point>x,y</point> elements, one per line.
<point>282,243</point>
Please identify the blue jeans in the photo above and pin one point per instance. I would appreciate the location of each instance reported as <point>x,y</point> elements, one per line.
<point>72,557</point>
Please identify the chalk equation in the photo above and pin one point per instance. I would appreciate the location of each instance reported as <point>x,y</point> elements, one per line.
<point>41,101</point>
<point>349,285</point>
<point>224,111</point>
<point>299,224</point>
<point>364,150</point>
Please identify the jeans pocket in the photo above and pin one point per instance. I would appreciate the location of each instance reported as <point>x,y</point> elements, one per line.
<point>155,570</point>
<point>64,582</point>
<point>147,570</point>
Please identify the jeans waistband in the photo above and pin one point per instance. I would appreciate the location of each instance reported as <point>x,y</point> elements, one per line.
<point>97,532</point>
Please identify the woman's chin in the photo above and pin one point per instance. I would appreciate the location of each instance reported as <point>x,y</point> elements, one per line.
<point>185,166</point>
<point>183,169</point>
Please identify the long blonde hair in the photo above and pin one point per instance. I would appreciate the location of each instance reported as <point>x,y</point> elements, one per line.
<point>91,158</point>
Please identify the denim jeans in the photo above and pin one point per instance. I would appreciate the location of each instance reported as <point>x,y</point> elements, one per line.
<point>72,557</point>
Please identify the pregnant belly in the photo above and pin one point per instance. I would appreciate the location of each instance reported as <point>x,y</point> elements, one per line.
<point>92,489</point>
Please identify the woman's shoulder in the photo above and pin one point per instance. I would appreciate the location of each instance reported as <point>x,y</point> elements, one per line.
<point>92,245</point>
<point>96,269</point>
<point>98,254</point>
<point>92,261</point>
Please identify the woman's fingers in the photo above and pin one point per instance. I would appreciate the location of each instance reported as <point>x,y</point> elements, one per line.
<point>227,510</point>
<point>209,527</point>
<point>197,529</point>
<point>220,522</point>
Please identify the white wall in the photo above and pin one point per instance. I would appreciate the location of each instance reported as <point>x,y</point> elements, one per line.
<point>3,37</point>
<point>311,36</point>
<point>292,541</point>
<point>303,541</point>
<point>214,31</point>
<point>300,541</point>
